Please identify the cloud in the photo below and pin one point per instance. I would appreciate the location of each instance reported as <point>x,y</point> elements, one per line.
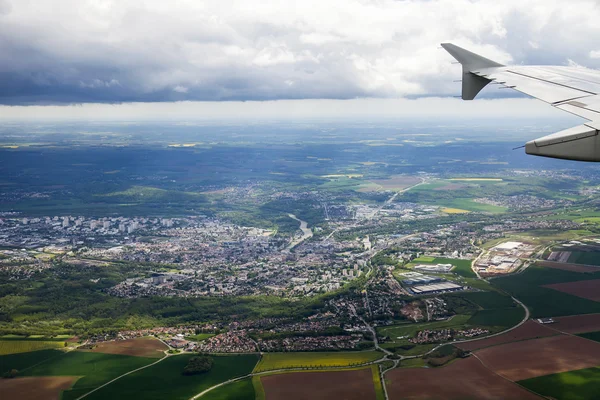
<point>110,51</point>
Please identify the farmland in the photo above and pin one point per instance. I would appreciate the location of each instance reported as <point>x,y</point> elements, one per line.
<point>272,361</point>
<point>351,385</point>
<point>543,301</point>
<point>498,317</point>
<point>578,323</point>
<point>529,330</point>
<point>538,357</point>
<point>142,347</point>
<point>584,289</point>
<point>165,379</point>
<point>239,390</point>
<point>581,384</point>
<point>35,388</point>
<point>462,379</point>
<point>24,346</point>
<point>94,369</point>
<point>462,267</point>
<point>20,361</point>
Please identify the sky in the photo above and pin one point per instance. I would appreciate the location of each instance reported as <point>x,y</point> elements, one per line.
<point>98,59</point>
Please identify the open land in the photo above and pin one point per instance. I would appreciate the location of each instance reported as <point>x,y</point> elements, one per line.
<point>350,385</point>
<point>272,361</point>
<point>568,266</point>
<point>462,379</point>
<point>582,384</point>
<point>35,388</point>
<point>538,357</point>
<point>578,323</point>
<point>142,347</point>
<point>529,330</point>
<point>23,346</point>
<point>584,289</point>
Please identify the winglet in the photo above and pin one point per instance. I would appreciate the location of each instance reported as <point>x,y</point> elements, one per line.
<point>471,83</point>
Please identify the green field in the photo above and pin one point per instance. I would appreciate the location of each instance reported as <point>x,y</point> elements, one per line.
<point>200,337</point>
<point>12,346</point>
<point>20,361</point>
<point>271,361</point>
<point>585,257</point>
<point>165,379</point>
<point>591,335</point>
<point>489,300</point>
<point>239,390</point>
<point>545,302</point>
<point>498,317</point>
<point>94,369</point>
<point>582,384</point>
<point>462,267</point>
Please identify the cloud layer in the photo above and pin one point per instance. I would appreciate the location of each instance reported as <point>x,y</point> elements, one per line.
<point>111,51</point>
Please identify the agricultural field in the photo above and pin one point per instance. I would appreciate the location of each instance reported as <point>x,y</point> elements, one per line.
<point>585,257</point>
<point>20,361</point>
<point>578,323</point>
<point>538,357</point>
<point>35,388</point>
<point>568,266</point>
<point>239,390</point>
<point>165,379</point>
<point>582,384</point>
<point>543,301</point>
<point>141,347</point>
<point>93,368</point>
<point>273,361</point>
<point>23,346</point>
<point>489,299</point>
<point>529,330</point>
<point>595,336</point>
<point>397,182</point>
<point>351,385</point>
<point>498,317</point>
<point>462,379</point>
<point>584,289</point>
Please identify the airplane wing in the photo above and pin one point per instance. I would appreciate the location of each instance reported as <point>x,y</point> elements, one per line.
<point>572,89</point>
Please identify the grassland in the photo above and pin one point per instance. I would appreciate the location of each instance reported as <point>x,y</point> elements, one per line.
<point>582,384</point>
<point>238,390</point>
<point>489,300</point>
<point>259,390</point>
<point>379,392</point>
<point>200,337</point>
<point>461,267</point>
<point>94,369</point>
<point>23,346</point>
<point>165,379</point>
<point>272,361</point>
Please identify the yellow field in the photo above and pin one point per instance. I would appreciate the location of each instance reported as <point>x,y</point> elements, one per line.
<point>24,346</point>
<point>449,210</point>
<point>476,179</point>
<point>271,361</point>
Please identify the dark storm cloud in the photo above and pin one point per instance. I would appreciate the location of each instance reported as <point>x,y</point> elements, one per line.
<point>105,51</point>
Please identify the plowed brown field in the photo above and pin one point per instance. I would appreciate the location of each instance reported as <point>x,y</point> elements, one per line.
<point>529,330</point>
<point>537,357</point>
<point>585,289</point>
<point>35,388</point>
<point>347,385</point>
<point>463,379</point>
<point>578,323</point>
<point>141,347</point>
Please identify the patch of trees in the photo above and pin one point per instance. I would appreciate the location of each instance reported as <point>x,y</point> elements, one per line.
<point>198,365</point>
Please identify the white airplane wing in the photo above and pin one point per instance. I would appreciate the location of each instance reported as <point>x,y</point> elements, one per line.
<point>572,89</point>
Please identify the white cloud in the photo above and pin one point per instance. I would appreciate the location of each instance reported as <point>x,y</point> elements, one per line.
<point>64,50</point>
